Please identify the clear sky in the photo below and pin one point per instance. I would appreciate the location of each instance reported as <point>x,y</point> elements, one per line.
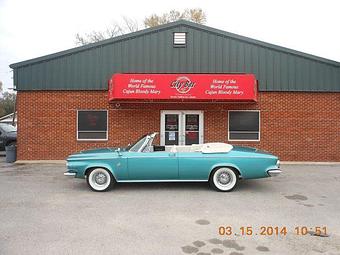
<point>33,28</point>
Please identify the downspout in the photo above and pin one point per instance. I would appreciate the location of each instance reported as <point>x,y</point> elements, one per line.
<point>15,101</point>
<point>14,112</point>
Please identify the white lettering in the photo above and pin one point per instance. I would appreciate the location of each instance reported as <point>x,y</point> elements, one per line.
<point>218,81</point>
<point>212,86</point>
<point>128,91</point>
<point>210,92</point>
<point>142,91</point>
<point>133,86</point>
<point>144,86</point>
<point>237,92</point>
<point>224,92</point>
<point>154,91</point>
<point>135,81</point>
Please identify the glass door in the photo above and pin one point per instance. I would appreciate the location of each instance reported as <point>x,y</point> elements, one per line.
<point>181,127</point>
<point>171,129</point>
<point>192,130</point>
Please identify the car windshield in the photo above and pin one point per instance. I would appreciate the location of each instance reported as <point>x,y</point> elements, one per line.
<point>7,128</point>
<point>137,145</point>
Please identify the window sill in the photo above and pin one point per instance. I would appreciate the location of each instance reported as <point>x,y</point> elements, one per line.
<point>92,140</point>
<point>255,141</point>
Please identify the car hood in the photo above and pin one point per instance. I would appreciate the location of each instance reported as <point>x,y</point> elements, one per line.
<point>93,153</point>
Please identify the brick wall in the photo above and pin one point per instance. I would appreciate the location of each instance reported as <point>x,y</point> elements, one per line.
<point>295,126</point>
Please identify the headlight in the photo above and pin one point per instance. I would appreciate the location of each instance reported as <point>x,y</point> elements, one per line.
<point>278,163</point>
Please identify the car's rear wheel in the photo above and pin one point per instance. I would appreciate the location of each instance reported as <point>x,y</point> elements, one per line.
<point>224,179</point>
<point>100,179</point>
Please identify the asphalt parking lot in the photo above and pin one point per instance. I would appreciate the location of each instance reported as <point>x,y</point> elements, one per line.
<point>43,212</point>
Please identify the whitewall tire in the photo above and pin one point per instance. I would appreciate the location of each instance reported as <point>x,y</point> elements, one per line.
<point>224,179</point>
<point>100,179</point>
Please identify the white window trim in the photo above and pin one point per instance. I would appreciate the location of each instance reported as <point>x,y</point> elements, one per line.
<point>107,125</point>
<point>244,140</point>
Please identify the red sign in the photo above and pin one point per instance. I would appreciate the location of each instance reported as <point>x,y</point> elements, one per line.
<point>183,87</point>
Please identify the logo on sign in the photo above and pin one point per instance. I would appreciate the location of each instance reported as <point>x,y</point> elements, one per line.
<point>182,84</point>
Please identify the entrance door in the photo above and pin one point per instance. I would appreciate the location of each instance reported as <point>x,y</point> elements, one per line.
<point>181,127</point>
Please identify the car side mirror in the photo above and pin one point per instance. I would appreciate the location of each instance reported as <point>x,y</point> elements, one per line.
<point>119,152</point>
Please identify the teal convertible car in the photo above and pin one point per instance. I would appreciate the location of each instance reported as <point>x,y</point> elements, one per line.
<point>220,164</point>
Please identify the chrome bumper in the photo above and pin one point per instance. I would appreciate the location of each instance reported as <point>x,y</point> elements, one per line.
<point>274,172</point>
<point>70,174</point>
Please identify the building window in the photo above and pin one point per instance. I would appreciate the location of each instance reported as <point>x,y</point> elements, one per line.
<point>244,125</point>
<point>180,39</point>
<point>92,125</point>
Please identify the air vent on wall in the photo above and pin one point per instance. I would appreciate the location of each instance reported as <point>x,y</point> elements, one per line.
<point>180,39</point>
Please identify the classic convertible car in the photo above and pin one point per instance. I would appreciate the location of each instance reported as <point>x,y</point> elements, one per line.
<point>220,164</point>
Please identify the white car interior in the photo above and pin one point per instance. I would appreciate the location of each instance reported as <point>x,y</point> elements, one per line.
<point>203,148</point>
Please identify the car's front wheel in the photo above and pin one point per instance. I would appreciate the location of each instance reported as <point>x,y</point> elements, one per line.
<point>100,179</point>
<point>224,179</point>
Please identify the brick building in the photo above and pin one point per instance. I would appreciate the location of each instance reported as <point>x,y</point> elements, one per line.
<point>65,105</point>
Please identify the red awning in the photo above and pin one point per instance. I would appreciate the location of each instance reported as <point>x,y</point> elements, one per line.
<point>183,87</point>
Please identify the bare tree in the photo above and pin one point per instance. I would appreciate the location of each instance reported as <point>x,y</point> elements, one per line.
<point>116,29</point>
<point>7,102</point>
<point>173,15</point>
<point>130,25</point>
<point>194,15</point>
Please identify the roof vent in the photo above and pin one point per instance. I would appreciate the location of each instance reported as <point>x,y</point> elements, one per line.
<point>180,39</point>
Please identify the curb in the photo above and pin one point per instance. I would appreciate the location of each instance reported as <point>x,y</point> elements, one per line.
<point>40,162</point>
<point>308,163</point>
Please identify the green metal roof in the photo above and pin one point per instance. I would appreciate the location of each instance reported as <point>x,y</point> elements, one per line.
<point>150,50</point>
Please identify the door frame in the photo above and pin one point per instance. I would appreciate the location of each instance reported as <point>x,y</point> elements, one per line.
<point>181,128</point>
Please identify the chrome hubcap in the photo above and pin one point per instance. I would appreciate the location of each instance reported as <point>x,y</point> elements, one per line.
<point>224,178</point>
<point>100,178</point>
